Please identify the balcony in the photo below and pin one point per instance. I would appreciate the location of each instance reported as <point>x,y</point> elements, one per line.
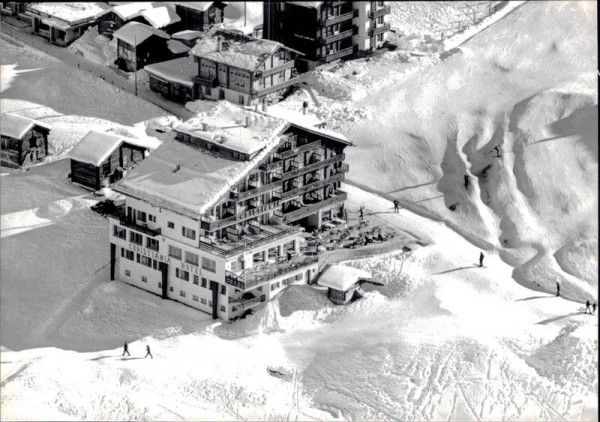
<point>385,10</point>
<point>312,186</point>
<point>263,273</point>
<point>276,69</point>
<point>259,93</point>
<point>312,208</point>
<point>339,54</point>
<point>332,20</point>
<point>238,218</point>
<point>308,146</point>
<point>120,214</point>
<point>380,29</point>
<point>247,300</point>
<point>314,166</point>
<point>328,39</point>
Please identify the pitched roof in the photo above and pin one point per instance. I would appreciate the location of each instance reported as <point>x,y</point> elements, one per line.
<point>178,70</point>
<point>135,33</point>
<point>95,147</point>
<point>236,50</point>
<point>342,277</point>
<point>131,10</point>
<point>15,126</point>
<point>159,17</point>
<point>187,35</point>
<point>177,47</point>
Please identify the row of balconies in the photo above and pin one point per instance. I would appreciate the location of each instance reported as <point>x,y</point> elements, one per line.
<point>307,210</point>
<point>380,29</point>
<point>294,170</point>
<point>327,39</point>
<point>341,53</point>
<point>385,10</point>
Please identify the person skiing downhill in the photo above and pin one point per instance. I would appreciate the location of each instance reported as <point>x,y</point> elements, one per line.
<point>481,256</point>
<point>125,349</point>
<point>148,352</point>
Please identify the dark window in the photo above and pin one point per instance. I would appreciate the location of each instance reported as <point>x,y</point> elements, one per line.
<point>170,224</point>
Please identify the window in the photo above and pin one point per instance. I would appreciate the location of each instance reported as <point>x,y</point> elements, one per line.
<point>174,252</point>
<point>146,261</point>
<point>152,218</point>
<point>298,276</point>
<point>191,258</point>
<point>171,288</point>
<point>189,233</point>
<point>159,285</point>
<point>222,309</point>
<point>152,243</point>
<point>259,289</point>
<point>380,20</point>
<point>196,279</point>
<point>181,293</point>
<point>127,273</point>
<point>210,303</point>
<point>204,282</point>
<point>129,255</point>
<point>170,224</point>
<point>379,37</point>
<point>275,286</point>
<point>241,99</point>
<point>119,232</point>
<point>144,279</point>
<point>223,290</point>
<point>137,258</point>
<point>258,257</point>
<point>203,301</point>
<point>155,264</point>
<point>184,275</point>
<point>141,216</point>
<point>235,155</point>
<point>195,298</point>
<point>273,252</point>
<point>135,238</point>
<point>209,264</point>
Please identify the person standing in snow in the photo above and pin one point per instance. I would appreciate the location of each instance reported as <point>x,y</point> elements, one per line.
<point>557,288</point>
<point>396,206</point>
<point>481,256</point>
<point>125,349</point>
<point>594,308</point>
<point>587,306</point>
<point>361,213</point>
<point>148,352</point>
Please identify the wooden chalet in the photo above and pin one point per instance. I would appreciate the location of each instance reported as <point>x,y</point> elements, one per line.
<point>24,141</point>
<point>162,17</point>
<point>199,15</point>
<point>173,79</point>
<point>139,44</point>
<point>102,158</point>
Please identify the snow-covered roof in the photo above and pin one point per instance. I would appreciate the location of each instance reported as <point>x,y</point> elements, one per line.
<point>95,147</point>
<point>244,55</point>
<point>177,47</point>
<point>72,13</point>
<point>307,122</point>
<point>225,126</point>
<point>311,4</point>
<point>178,70</point>
<point>15,126</point>
<point>135,33</point>
<point>341,277</point>
<point>131,10</point>
<point>187,35</point>
<point>197,5</point>
<point>159,17</point>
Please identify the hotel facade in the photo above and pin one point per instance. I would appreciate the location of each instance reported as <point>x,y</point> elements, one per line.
<point>215,219</point>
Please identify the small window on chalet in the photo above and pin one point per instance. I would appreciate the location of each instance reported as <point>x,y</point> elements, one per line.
<point>223,290</point>
<point>189,233</point>
<point>170,224</point>
<point>152,218</point>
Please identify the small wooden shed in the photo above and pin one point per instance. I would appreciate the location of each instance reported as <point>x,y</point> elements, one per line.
<point>139,44</point>
<point>101,158</point>
<point>23,141</point>
<point>343,283</point>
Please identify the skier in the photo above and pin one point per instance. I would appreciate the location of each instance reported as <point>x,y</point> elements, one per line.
<point>557,288</point>
<point>481,256</point>
<point>362,213</point>
<point>396,206</point>
<point>497,149</point>
<point>148,352</point>
<point>587,306</point>
<point>125,349</point>
<point>594,308</point>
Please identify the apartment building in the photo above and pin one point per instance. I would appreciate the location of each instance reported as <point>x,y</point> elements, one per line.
<point>215,218</point>
<point>326,31</point>
<point>242,69</point>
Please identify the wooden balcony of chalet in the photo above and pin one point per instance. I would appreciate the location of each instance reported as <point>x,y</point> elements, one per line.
<point>264,272</point>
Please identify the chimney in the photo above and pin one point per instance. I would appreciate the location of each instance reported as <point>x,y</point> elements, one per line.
<point>304,107</point>
<point>218,43</point>
<point>204,127</point>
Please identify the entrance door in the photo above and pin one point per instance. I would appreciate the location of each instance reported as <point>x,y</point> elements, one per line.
<point>221,94</point>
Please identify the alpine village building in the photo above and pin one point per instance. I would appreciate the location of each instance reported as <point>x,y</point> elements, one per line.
<point>326,31</point>
<point>213,219</point>
<point>242,69</point>
<point>23,141</point>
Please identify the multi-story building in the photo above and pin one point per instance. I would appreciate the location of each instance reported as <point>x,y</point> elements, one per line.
<point>242,69</point>
<point>326,31</point>
<point>213,220</point>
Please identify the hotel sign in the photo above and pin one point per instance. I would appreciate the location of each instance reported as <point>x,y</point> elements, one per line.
<point>150,253</point>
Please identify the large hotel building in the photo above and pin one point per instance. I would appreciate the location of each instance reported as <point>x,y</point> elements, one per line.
<point>214,219</point>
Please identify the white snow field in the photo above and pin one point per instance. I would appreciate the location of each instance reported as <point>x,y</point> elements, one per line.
<point>443,340</point>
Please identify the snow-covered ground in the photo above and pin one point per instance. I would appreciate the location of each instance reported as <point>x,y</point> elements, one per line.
<point>444,340</point>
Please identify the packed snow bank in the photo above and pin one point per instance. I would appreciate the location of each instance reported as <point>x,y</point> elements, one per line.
<point>95,47</point>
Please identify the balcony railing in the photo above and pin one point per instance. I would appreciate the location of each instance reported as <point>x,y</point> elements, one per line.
<point>305,147</point>
<point>216,249</point>
<point>119,213</point>
<point>258,93</point>
<point>314,166</point>
<point>338,55</point>
<point>328,39</point>
<point>276,69</point>
<point>312,186</point>
<point>312,208</point>
<point>247,303</point>
<point>254,212</point>
<point>385,10</point>
<point>257,275</point>
<point>379,29</point>
<point>332,20</point>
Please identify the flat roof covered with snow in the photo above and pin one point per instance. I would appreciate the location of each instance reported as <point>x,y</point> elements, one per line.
<point>131,10</point>
<point>225,126</point>
<point>135,33</point>
<point>159,17</point>
<point>14,126</point>
<point>248,54</point>
<point>341,277</point>
<point>178,70</point>
<point>73,13</point>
